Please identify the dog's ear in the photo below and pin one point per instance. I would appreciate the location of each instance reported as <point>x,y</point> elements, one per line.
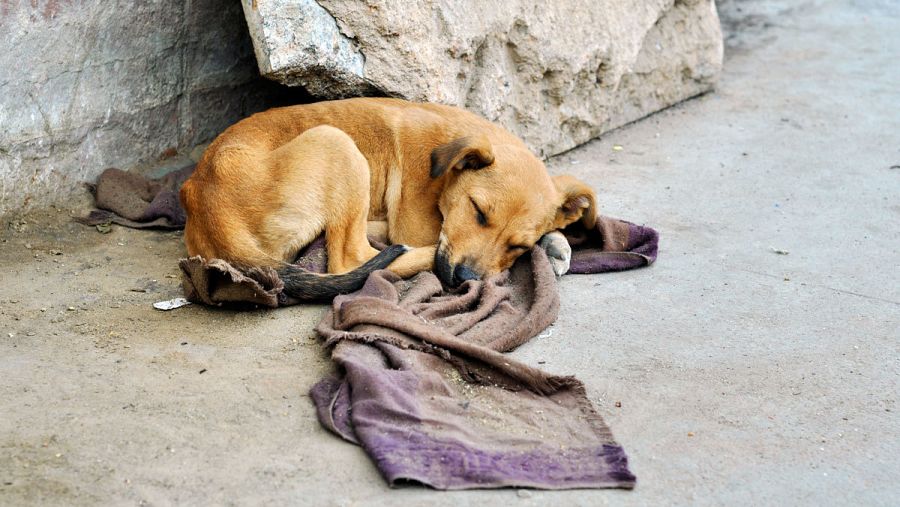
<point>470,152</point>
<point>578,201</point>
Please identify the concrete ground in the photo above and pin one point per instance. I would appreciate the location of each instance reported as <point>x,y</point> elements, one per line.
<point>758,362</point>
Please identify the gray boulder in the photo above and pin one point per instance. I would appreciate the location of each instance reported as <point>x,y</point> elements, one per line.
<point>91,84</point>
<point>555,73</point>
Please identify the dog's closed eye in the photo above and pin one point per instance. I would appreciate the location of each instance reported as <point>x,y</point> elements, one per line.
<point>479,214</point>
<point>518,248</point>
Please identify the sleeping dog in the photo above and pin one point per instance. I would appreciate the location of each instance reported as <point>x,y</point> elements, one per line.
<point>467,196</point>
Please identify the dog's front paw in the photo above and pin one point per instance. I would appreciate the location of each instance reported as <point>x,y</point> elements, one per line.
<point>558,250</point>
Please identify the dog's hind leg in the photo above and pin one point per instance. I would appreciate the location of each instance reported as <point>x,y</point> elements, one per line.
<point>345,234</point>
<point>347,209</point>
<point>321,183</point>
<point>378,230</point>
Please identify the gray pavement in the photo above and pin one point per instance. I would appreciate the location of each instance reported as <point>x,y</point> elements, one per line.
<point>758,362</point>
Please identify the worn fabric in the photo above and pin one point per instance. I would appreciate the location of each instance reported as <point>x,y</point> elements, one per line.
<point>424,387</point>
<point>138,202</point>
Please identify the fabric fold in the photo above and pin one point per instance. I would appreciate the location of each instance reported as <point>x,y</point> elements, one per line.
<point>433,399</point>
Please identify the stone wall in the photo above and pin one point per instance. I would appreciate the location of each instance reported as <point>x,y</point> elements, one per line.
<point>556,73</point>
<point>88,84</point>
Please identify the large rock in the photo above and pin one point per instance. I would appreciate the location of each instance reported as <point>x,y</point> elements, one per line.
<point>556,73</point>
<point>90,84</point>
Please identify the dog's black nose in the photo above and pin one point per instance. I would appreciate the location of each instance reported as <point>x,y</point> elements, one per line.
<point>462,274</point>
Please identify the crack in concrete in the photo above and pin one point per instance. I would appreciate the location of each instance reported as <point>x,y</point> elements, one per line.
<point>820,286</point>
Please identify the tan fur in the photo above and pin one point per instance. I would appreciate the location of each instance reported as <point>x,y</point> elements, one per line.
<point>273,182</point>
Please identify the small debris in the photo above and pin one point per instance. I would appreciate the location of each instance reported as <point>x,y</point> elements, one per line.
<point>895,166</point>
<point>690,433</point>
<point>617,147</point>
<point>171,304</point>
<point>523,493</point>
<point>104,228</point>
<point>70,309</point>
<point>618,404</point>
<point>169,152</point>
<point>778,251</point>
<point>202,371</point>
<point>55,252</point>
<point>138,289</point>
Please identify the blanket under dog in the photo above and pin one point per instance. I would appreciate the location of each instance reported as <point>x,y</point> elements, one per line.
<point>423,383</point>
<point>132,200</point>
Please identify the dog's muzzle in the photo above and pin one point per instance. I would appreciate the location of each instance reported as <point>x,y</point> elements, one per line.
<point>449,274</point>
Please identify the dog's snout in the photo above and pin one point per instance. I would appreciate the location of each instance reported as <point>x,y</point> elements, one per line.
<point>463,273</point>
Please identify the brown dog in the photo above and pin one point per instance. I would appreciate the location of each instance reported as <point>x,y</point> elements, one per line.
<point>468,194</point>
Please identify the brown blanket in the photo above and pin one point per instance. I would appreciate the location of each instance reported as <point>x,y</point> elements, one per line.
<point>423,383</point>
<point>132,200</point>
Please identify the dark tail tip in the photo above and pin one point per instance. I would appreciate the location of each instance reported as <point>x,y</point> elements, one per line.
<point>306,285</point>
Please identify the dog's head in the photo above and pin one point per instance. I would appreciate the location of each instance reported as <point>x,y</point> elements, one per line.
<point>497,202</point>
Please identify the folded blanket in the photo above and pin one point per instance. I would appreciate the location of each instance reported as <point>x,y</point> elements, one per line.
<point>424,385</point>
<point>132,200</point>
<point>425,389</point>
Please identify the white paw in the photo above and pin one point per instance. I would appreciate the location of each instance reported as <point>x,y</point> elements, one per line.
<point>558,250</point>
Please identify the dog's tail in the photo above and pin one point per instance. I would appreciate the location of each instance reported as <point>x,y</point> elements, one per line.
<point>307,285</point>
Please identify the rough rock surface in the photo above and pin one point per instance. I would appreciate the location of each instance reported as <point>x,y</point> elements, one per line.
<point>555,73</point>
<point>91,84</point>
